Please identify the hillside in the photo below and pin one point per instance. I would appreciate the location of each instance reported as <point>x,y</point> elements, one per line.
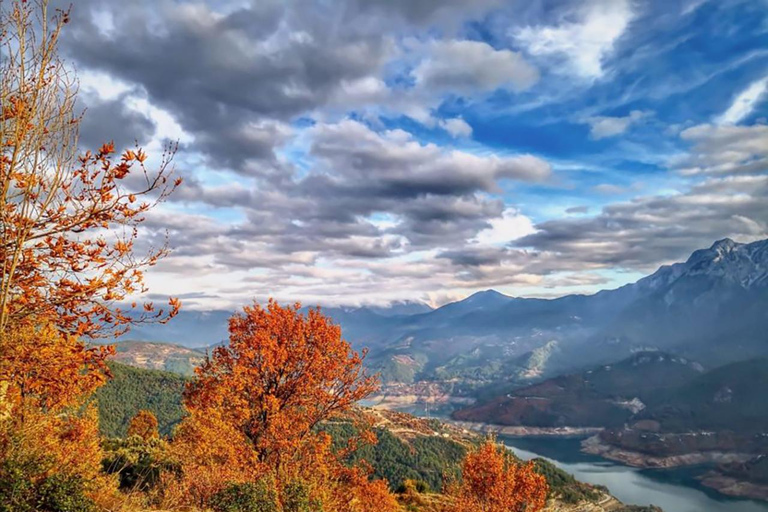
<point>133,389</point>
<point>408,447</point>
<point>158,356</point>
<point>606,396</point>
<point>731,397</point>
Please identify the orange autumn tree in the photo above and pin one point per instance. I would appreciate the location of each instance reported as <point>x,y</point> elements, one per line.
<point>45,371</point>
<point>254,405</point>
<point>68,221</point>
<point>282,373</point>
<point>494,481</point>
<point>68,224</point>
<point>48,430</point>
<point>144,424</point>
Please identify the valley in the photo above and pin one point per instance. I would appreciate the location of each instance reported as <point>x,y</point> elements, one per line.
<point>667,372</point>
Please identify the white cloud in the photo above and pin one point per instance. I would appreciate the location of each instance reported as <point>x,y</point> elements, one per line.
<point>582,44</point>
<point>469,66</point>
<point>691,6</point>
<point>457,127</point>
<point>511,226</point>
<point>745,102</point>
<point>725,149</point>
<point>604,126</point>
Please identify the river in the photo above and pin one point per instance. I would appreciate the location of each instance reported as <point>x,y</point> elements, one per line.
<point>674,490</point>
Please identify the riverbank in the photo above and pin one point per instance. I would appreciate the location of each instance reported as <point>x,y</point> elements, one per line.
<point>731,486</point>
<point>518,431</point>
<point>596,446</point>
<point>723,483</point>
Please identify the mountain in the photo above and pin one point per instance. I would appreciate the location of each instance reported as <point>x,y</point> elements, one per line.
<point>710,308</point>
<point>190,328</point>
<point>606,396</point>
<point>200,329</point>
<point>730,397</point>
<point>158,356</point>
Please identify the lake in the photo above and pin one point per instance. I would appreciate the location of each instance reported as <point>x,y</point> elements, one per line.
<point>674,490</point>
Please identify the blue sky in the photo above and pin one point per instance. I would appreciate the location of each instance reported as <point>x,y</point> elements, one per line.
<point>368,151</point>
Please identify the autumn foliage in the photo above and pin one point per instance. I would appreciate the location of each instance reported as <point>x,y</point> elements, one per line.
<point>494,481</point>
<point>255,403</point>
<point>144,425</point>
<point>68,221</point>
<point>281,374</point>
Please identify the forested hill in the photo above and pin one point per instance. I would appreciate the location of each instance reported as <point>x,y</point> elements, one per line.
<point>425,451</point>
<point>133,389</point>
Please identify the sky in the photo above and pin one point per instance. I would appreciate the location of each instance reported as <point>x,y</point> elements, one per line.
<point>348,152</point>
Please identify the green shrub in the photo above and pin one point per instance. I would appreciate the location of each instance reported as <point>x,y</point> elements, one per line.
<point>249,497</point>
<point>62,493</point>
<point>22,491</point>
<point>296,499</point>
<point>138,462</point>
<point>17,492</point>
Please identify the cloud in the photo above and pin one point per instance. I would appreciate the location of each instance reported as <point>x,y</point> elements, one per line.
<point>113,118</point>
<point>601,127</point>
<point>304,180</point>
<point>725,149</point>
<point>582,40</point>
<point>457,127</point>
<point>429,196</point>
<point>233,78</point>
<point>393,163</point>
<point>745,102</point>
<point>469,66</point>
<point>609,189</point>
<point>647,231</point>
<point>425,11</point>
<point>511,226</point>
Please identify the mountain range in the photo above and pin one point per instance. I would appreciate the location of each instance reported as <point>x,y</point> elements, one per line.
<point>710,308</point>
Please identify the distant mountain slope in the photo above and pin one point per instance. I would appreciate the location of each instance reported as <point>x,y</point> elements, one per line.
<point>606,396</point>
<point>731,397</point>
<point>189,328</point>
<point>710,308</point>
<point>158,356</point>
<point>133,389</point>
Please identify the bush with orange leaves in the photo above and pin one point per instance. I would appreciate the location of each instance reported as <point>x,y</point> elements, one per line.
<point>45,425</point>
<point>494,481</point>
<point>255,403</point>
<point>144,425</point>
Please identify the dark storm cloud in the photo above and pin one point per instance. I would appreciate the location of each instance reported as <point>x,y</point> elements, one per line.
<point>113,119</point>
<point>231,80</point>
<point>433,197</point>
<point>422,11</point>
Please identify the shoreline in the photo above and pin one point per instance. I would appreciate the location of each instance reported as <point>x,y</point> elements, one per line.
<point>730,486</point>
<point>595,446</point>
<point>520,431</point>
<point>720,482</point>
<point>726,485</point>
